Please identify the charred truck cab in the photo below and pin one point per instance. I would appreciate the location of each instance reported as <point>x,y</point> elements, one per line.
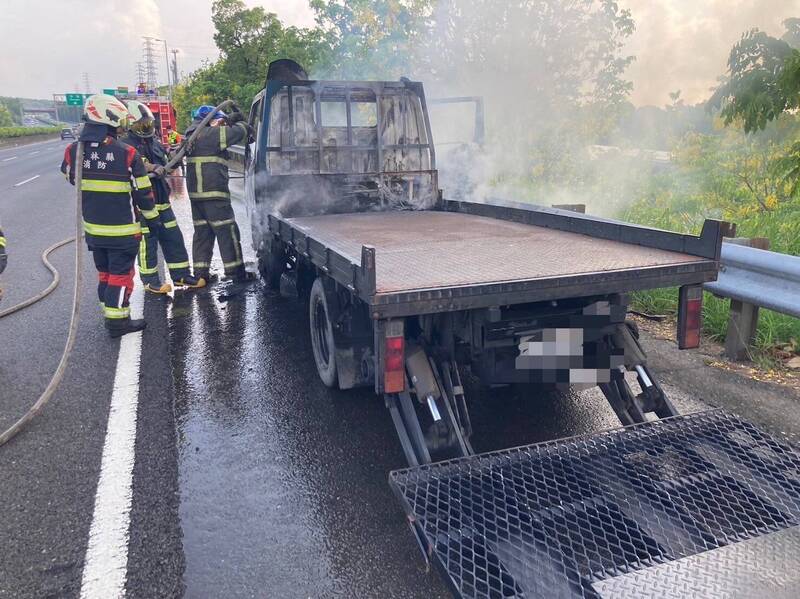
<point>407,290</point>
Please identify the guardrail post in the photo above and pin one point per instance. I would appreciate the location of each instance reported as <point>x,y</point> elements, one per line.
<point>743,320</point>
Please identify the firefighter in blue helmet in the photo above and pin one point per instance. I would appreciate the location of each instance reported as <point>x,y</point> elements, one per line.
<point>115,189</point>
<point>141,135</point>
<point>207,184</point>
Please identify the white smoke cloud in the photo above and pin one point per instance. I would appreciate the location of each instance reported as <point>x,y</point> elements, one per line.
<point>684,44</point>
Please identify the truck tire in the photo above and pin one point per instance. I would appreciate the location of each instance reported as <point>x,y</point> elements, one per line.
<point>271,267</point>
<point>322,342</point>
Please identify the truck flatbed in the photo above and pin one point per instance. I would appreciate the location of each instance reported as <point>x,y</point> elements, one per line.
<point>428,250</point>
<point>465,255</point>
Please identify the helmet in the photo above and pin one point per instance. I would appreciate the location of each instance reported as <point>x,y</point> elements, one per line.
<point>142,119</point>
<point>202,112</point>
<point>106,110</point>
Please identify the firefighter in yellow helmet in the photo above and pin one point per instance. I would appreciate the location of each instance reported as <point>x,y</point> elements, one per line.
<point>115,189</point>
<point>141,135</point>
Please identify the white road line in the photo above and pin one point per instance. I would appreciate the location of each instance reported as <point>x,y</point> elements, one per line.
<point>7,159</point>
<point>33,153</point>
<point>105,568</point>
<point>26,181</point>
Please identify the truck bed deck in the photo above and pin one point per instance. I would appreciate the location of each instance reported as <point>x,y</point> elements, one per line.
<point>417,250</point>
<point>466,255</point>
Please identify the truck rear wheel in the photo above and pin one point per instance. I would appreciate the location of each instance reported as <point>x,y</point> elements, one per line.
<point>321,328</point>
<point>271,265</point>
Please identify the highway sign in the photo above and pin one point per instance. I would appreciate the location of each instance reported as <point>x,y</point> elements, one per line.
<point>74,99</point>
<point>122,90</point>
<point>110,91</point>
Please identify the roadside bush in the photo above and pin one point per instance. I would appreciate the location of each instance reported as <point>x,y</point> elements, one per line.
<point>6,132</point>
<point>724,178</point>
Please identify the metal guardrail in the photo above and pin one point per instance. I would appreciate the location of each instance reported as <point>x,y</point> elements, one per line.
<point>754,278</point>
<point>767,279</point>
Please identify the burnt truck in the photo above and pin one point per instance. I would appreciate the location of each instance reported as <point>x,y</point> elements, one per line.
<point>409,291</point>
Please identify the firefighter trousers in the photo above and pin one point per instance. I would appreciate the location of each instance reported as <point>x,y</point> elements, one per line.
<point>115,279</point>
<point>214,220</point>
<point>170,238</point>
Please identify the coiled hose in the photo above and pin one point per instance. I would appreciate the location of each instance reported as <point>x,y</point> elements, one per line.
<point>50,390</point>
<point>73,322</point>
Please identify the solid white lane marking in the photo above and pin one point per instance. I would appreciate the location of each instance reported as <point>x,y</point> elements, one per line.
<point>105,568</point>
<point>26,181</point>
<point>7,159</point>
<point>32,153</point>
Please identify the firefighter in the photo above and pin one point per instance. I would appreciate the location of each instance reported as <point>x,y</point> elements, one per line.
<point>173,137</point>
<point>114,188</point>
<point>141,135</point>
<point>207,183</point>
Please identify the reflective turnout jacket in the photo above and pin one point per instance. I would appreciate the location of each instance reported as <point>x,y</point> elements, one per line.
<point>151,150</point>
<point>114,187</point>
<point>207,161</point>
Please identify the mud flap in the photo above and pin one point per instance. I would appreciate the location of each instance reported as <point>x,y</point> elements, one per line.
<point>704,505</point>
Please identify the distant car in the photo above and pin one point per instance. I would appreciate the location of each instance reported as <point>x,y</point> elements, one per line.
<point>67,132</point>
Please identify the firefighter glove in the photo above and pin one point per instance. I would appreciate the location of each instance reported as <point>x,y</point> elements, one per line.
<point>235,117</point>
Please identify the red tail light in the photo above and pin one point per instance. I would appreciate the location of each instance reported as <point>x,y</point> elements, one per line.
<point>394,371</point>
<point>690,316</point>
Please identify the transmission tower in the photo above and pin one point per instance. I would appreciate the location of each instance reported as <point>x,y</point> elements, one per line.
<point>140,73</point>
<point>149,56</point>
<point>174,66</point>
<point>86,87</point>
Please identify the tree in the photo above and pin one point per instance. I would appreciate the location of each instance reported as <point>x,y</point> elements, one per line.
<point>372,39</point>
<point>763,81</point>
<point>5,117</point>
<point>248,40</point>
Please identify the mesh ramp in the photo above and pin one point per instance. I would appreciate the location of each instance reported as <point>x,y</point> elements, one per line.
<point>683,503</point>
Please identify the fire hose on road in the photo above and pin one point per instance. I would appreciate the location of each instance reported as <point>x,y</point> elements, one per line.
<point>50,390</point>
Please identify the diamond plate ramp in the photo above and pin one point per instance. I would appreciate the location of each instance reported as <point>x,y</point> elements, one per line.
<point>678,503</point>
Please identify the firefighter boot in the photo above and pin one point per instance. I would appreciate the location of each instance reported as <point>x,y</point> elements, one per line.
<point>153,285</point>
<point>117,327</point>
<point>159,288</point>
<point>191,282</point>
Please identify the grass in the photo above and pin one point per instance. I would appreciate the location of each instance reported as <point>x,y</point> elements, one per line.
<point>8,132</point>
<point>781,227</point>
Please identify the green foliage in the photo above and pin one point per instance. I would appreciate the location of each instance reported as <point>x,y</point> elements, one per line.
<point>372,39</point>
<point>5,117</point>
<point>6,132</point>
<point>14,106</point>
<point>248,40</point>
<point>753,91</point>
<point>730,176</point>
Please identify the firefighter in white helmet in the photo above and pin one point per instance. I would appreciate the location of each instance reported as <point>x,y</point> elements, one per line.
<point>141,135</point>
<point>115,189</point>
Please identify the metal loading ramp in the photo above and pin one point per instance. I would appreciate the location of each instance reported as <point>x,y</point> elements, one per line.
<point>705,505</point>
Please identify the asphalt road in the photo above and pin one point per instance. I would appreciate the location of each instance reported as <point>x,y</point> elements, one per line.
<point>250,478</point>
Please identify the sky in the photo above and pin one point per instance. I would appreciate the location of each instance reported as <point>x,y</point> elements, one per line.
<point>46,45</point>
